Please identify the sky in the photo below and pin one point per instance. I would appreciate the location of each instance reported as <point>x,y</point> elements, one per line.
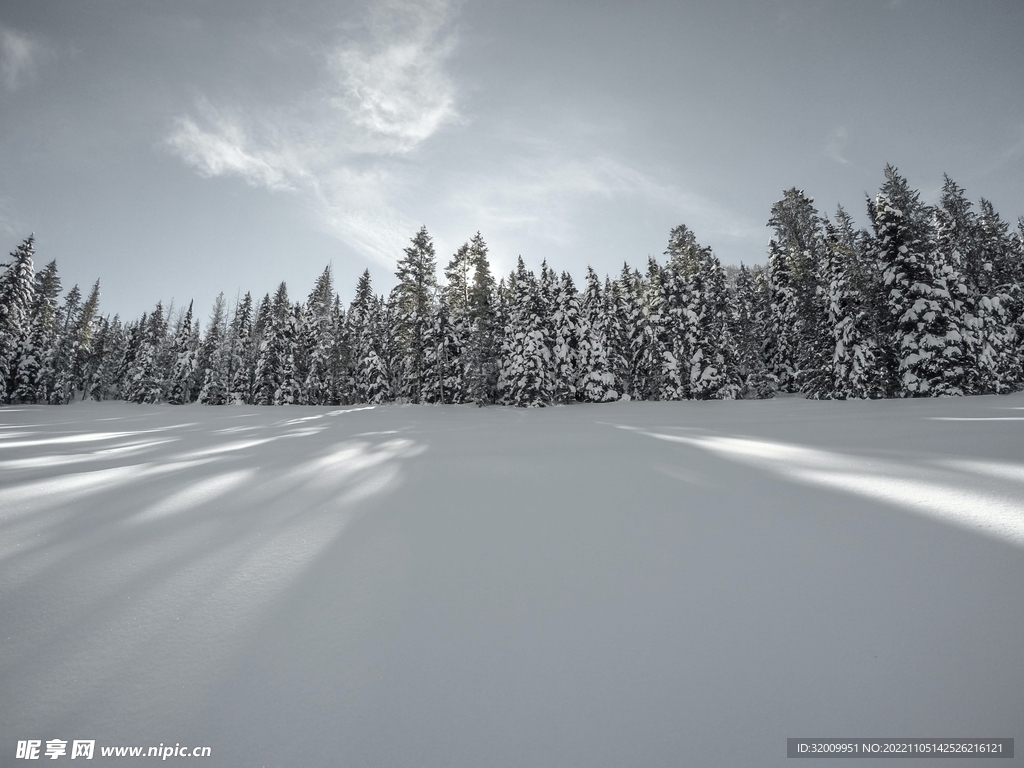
<point>178,150</point>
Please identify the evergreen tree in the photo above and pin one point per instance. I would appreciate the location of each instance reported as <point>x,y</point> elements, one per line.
<point>242,363</point>
<point>853,370</point>
<point>214,357</point>
<point>597,382</point>
<point>412,304</point>
<point>272,321</point>
<point>628,338</point>
<point>524,379</point>
<point>926,348</point>
<point>703,350</point>
<point>757,382</point>
<point>57,375</point>
<point>41,338</point>
<point>318,341</point>
<point>453,325</point>
<point>289,391</point>
<point>443,381</point>
<point>566,324</point>
<point>17,296</point>
<point>656,356</point>
<point>106,350</point>
<point>368,369</point>
<point>83,331</point>
<point>144,379</point>
<point>482,350</point>
<point>796,255</point>
<point>185,349</point>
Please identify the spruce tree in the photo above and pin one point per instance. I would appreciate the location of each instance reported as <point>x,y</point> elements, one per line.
<point>17,296</point>
<point>756,381</point>
<point>926,349</point>
<point>524,379</point>
<point>796,256</point>
<point>597,381</point>
<point>411,303</point>
<point>57,375</point>
<point>185,361</point>
<point>482,351</point>
<point>214,356</point>
<point>242,362</point>
<point>565,351</point>
<point>853,364</point>
<point>317,341</point>
<point>272,357</point>
<point>289,390</point>
<point>40,339</point>
<point>656,354</point>
<point>371,382</point>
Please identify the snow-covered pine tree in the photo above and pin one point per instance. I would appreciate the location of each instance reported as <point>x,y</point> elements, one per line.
<point>656,337</point>
<point>999,355</point>
<point>958,250</point>
<point>853,372</point>
<point>482,351</point>
<point>17,296</point>
<point>782,343</point>
<point>628,337</point>
<point>214,357</point>
<point>700,305</point>
<point>370,378</point>
<point>796,254</point>
<point>525,380</point>
<point>547,294</point>
<point>242,363</point>
<point>144,380</point>
<point>442,379</point>
<point>106,351</point>
<point>289,391</point>
<point>124,372</point>
<point>565,351</point>
<point>56,375</point>
<point>41,338</point>
<point>83,330</point>
<point>597,381</point>
<point>925,344</point>
<point>454,312</point>
<point>411,304</point>
<point>273,321</point>
<point>757,382</point>
<point>186,353</point>
<point>317,341</point>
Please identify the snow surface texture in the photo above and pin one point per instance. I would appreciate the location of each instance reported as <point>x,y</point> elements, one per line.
<point>655,584</point>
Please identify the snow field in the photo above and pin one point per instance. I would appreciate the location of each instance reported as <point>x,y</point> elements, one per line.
<point>621,584</point>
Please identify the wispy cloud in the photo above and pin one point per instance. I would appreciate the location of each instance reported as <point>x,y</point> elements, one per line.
<point>17,56</point>
<point>543,190</point>
<point>394,86</point>
<point>836,147</point>
<point>225,149</point>
<point>356,147</point>
<point>386,91</point>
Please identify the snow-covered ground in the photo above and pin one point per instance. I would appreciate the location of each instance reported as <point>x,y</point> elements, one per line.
<point>632,584</point>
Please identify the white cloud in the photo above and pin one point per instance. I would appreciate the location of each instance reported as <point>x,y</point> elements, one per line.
<point>227,150</point>
<point>541,192</point>
<point>17,56</point>
<point>836,146</point>
<point>384,95</point>
<point>395,86</point>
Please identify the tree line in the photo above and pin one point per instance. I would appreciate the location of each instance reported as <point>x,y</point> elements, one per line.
<point>926,302</point>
